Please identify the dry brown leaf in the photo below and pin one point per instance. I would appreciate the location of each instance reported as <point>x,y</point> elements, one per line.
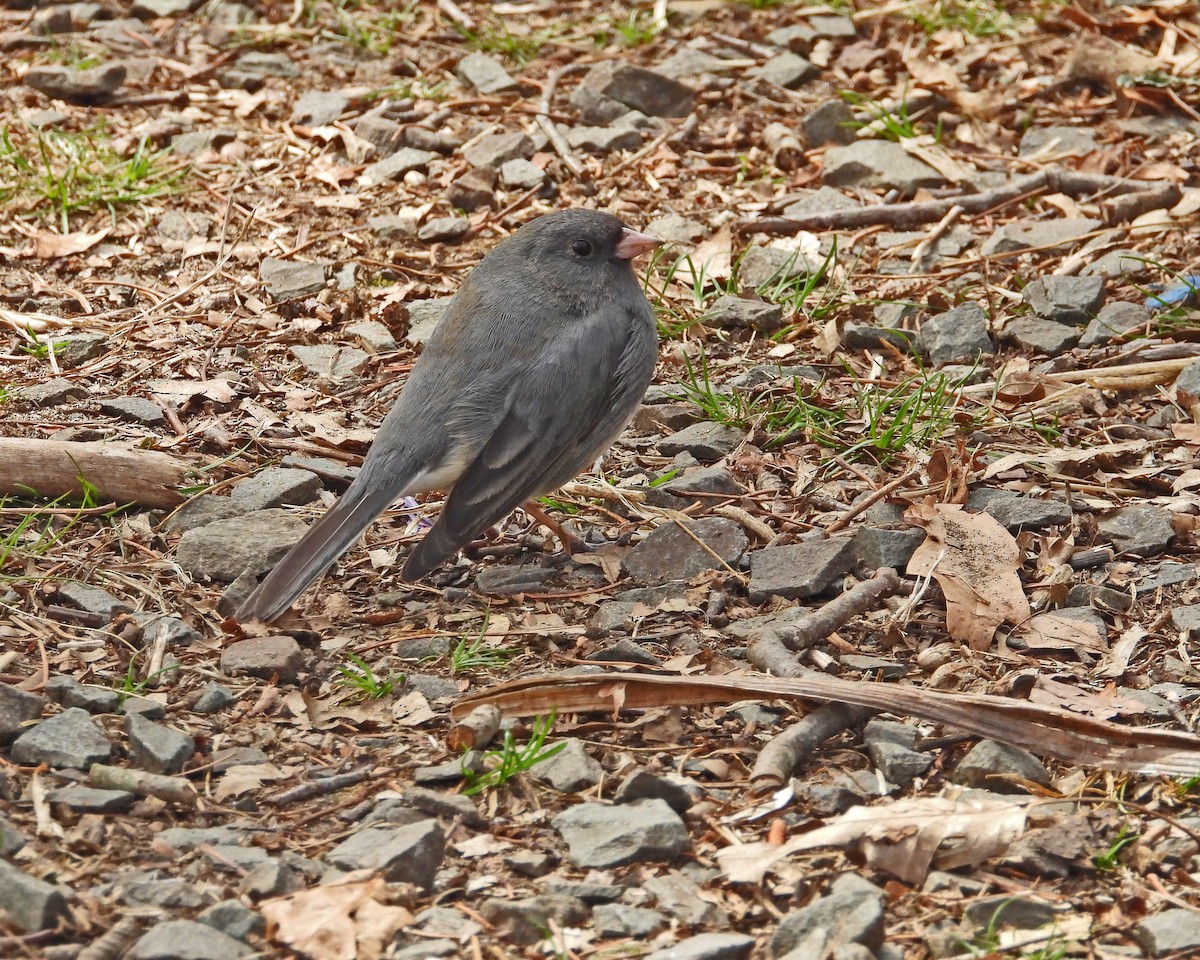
<point>975,562</point>
<point>250,776</point>
<point>903,837</point>
<point>343,920</point>
<point>1054,631</point>
<point>47,246</point>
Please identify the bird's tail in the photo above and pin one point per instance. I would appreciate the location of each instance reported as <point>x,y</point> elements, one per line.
<point>325,541</point>
<point>438,545</point>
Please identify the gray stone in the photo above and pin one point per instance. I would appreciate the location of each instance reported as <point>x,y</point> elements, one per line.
<point>90,86</point>
<point>225,549</point>
<point>1139,530</point>
<point>214,698</point>
<point>1106,598</point>
<point>1168,575</point>
<point>485,74</point>
<point>532,863</point>
<point>133,409</point>
<point>835,26</point>
<point>496,149</point>
<point>680,896</point>
<point>268,64</point>
<point>641,784</point>
<point>676,229</point>
<point>710,480</point>
<point>271,878</point>
<point>474,189</point>
<point>689,64</point>
<point>17,709</point>
<point>386,136</point>
<point>1125,265</point>
<point>761,374</point>
<point>194,144</point>
<point>316,108</point>
<point>1023,913</point>
<point>332,362</point>
<point>70,739</point>
<point>958,335</point>
<point>878,164</point>
<point>333,472</point>
<point>442,229</point>
<point>407,854</point>
<point>1052,234</point>
<point>525,922</point>
<point>1065,299</point>
<point>396,166</point>
<point>898,764</point>
<point>28,903</point>
<point>705,441</point>
<point>521,174</point>
<point>1187,384</point>
<point>890,731</point>
<point>799,570</point>
<point>143,707</point>
<point>11,840</point>
<point>1114,320</point>
<point>1015,512</point>
<point>619,920</point>
<point>828,122</point>
<point>761,266</point>
<point>187,940</point>
<point>786,69</point>
<point>740,312</point>
<point>276,487</point>
<point>149,9</point>
<point>863,336</point>
<point>423,318</point>
<point>652,93</point>
<point>1172,933</point>
<point>851,912</point>
<point>264,657</point>
<point>822,200</point>
<point>600,835</point>
<point>436,140</point>
<point>1058,140</point>
<point>1040,336</point>
<point>797,37</point>
<point>53,392</point>
<point>287,280</point>
<point>235,919</point>
<point>373,335</point>
<point>707,946</point>
<point>669,553</point>
<point>157,748</point>
<point>77,350</point>
<point>1187,619</point>
<point>447,806</point>
<point>85,799</point>
<point>878,547</point>
<point>997,766</point>
<point>570,770</point>
<point>601,140</point>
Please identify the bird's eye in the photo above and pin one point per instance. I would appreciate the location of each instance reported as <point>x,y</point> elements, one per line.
<point>581,248</point>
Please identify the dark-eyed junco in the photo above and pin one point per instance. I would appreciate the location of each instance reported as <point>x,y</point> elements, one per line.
<point>536,366</point>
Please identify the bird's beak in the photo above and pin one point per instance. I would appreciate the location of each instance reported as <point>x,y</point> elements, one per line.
<point>633,244</point>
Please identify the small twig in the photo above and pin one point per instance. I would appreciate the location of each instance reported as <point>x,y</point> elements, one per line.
<point>455,13</point>
<point>550,128</point>
<point>867,502</point>
<point>936,234</point>
<point>683,130</point>
<point>114,942</point>
<point>324,786</point>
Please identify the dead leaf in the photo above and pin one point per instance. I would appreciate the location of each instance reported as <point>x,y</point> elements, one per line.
<point>975,562</point>
<point>250,776</point>
<point>342,920</point>
<point>903,838</point>
<point>48,246</point>
<point>1054,631</point>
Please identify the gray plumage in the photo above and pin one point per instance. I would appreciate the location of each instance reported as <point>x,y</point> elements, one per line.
<point>536,366</point>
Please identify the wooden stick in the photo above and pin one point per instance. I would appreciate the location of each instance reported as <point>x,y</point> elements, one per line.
<point>55,468</point>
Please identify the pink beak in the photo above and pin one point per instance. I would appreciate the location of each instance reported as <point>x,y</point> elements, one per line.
<point>633,244</point>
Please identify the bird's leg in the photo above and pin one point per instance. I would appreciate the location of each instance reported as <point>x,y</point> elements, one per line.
<point>571,544</point>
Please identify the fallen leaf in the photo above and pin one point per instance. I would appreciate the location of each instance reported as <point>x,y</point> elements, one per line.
<point>975,562</point>
<point>47,246</point>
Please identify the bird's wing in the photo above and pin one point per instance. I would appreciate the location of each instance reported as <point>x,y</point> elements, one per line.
<point>571,403</point>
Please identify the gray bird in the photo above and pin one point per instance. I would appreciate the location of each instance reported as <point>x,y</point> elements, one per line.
<point>536,366</point>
